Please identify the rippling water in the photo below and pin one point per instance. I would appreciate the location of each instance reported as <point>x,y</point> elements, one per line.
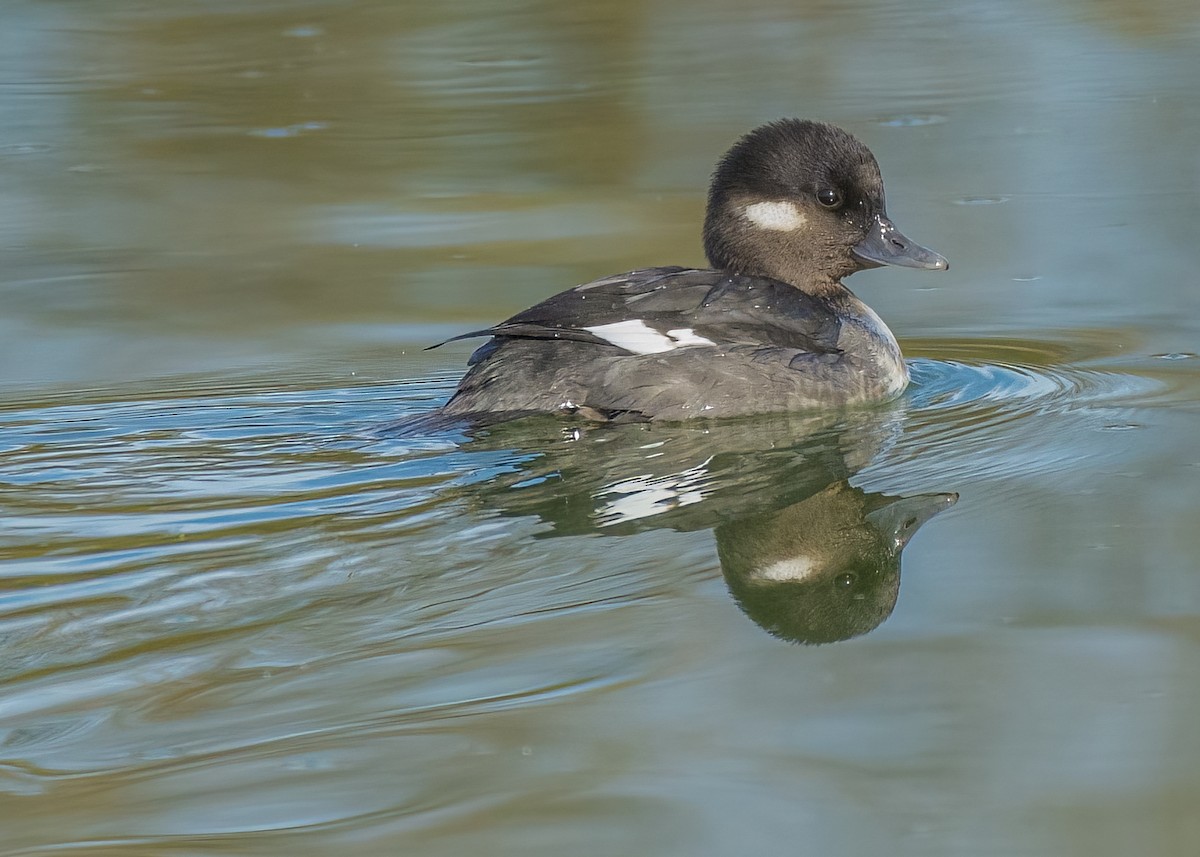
<point>242,610</point>
<point>242,613</point>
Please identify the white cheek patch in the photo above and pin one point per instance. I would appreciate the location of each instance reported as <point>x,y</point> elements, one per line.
<point>794,568</point>
<point>636,336</point>
<point>776,216</point>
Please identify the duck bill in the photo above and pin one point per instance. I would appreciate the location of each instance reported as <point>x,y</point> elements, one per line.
<point>900,517</point>
<point>887,245</point>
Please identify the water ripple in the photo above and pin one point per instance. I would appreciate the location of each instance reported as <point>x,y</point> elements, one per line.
<point>202,582</point>
<point>977,418</point>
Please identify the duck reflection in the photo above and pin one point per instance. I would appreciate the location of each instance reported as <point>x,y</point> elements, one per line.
<point>806,555</point>
<point>826,568</point>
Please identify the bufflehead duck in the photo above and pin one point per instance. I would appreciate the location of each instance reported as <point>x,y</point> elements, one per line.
<point>794,207</point>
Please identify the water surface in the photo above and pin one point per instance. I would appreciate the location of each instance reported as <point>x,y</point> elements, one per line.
<point>236,618</point>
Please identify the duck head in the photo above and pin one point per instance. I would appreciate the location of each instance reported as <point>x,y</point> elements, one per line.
<point>803,202</point>
<point>826,568</point>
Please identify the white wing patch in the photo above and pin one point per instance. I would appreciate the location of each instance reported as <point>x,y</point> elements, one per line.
<point>686,336</point>
<point>777,216</point>
<point>637,336</point>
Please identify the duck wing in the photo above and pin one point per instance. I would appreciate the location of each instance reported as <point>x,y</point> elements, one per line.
<point>654,310</point>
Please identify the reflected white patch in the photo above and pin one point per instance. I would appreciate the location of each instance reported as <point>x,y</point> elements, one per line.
<point>647,495</point>
<point>636,336</point>
<point>778,216</point>
<point>793,568</point>
<point>644,503</point>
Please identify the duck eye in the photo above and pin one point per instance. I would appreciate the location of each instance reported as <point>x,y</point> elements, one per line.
<point>829,197</point>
